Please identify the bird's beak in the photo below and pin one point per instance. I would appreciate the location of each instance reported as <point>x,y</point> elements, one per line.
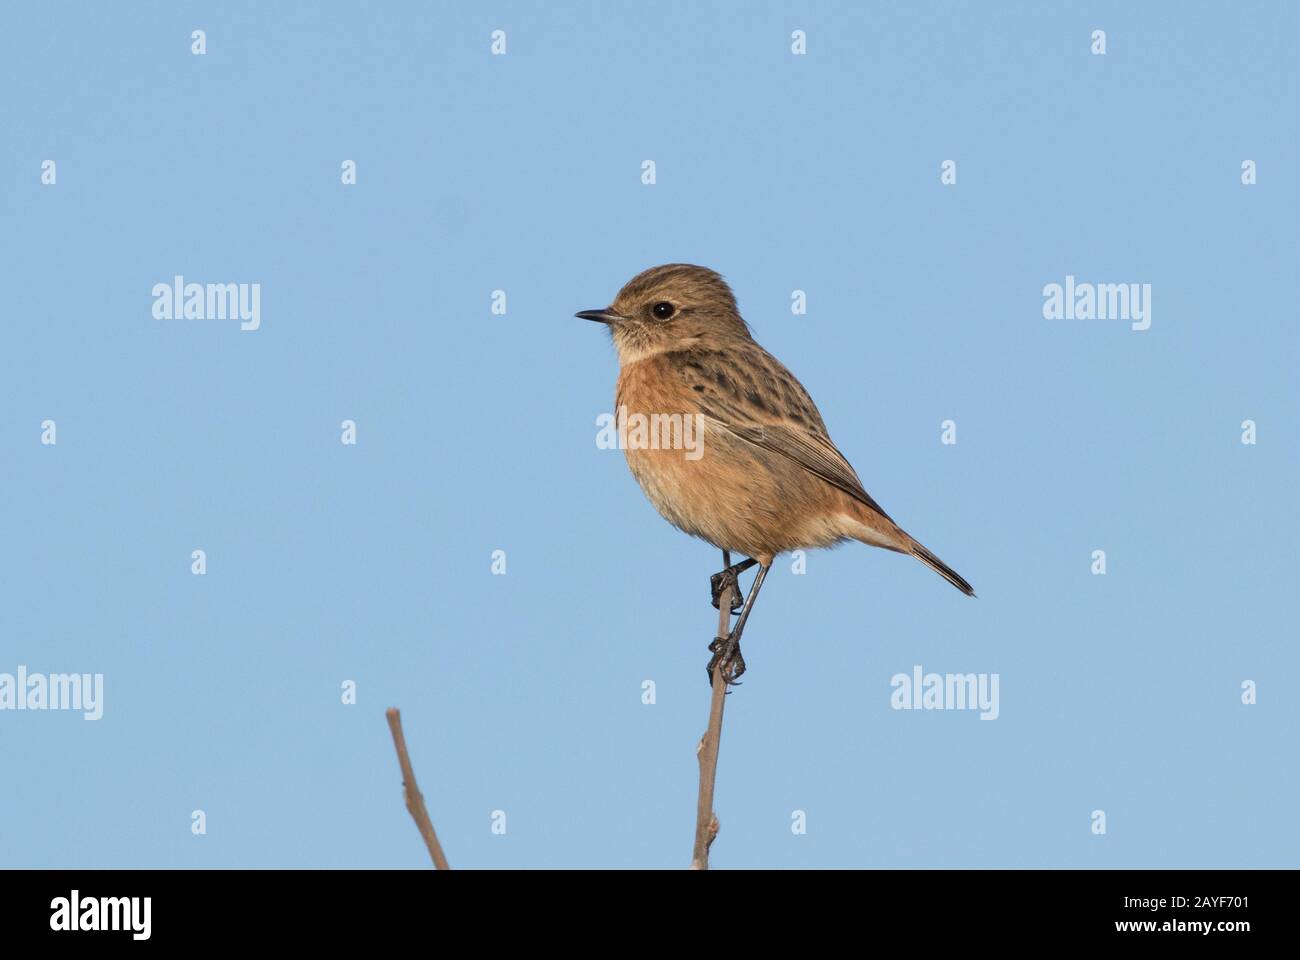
<point>600,316</point>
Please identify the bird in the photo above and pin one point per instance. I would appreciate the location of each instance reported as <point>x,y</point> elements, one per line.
<point>766,479</point>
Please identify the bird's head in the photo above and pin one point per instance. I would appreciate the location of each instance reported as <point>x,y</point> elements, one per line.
<point>670,307</point>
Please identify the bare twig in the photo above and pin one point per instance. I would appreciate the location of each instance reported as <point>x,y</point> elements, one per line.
<point>706,821</point>
<point>415,799</point>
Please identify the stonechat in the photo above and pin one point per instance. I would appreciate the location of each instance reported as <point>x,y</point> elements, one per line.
<point>769,479</point>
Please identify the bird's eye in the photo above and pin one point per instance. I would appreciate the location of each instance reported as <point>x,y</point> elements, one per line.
<point>663,310</point>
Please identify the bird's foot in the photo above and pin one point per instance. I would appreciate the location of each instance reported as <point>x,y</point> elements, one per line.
<point>719,583</point>
<point>727,659</point>
<point>729,577</point>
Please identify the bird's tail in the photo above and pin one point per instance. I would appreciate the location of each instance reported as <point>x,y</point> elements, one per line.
<point>939,567</point>
<point>875,529</point>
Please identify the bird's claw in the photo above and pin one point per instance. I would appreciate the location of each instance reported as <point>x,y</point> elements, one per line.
<point>727,660</point>
<point>719,583</point>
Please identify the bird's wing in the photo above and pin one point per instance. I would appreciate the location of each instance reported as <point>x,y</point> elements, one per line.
<point>813,453</point>
<point>746,391</point>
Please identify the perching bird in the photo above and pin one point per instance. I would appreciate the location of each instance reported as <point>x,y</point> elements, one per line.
<point>767,479</point>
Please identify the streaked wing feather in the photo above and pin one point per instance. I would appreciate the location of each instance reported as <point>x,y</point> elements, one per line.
<point>743,389</point>
<point>814,454</point>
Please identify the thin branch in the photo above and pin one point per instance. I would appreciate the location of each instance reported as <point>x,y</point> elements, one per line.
<point>415,799</point>
<point>706,821</point>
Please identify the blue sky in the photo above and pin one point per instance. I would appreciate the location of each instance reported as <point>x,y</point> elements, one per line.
<point>476,432</point>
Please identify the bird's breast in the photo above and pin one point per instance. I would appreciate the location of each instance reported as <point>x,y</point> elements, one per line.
<point>652,386</point>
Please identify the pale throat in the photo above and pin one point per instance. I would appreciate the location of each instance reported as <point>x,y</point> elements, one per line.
<point>633,349</point>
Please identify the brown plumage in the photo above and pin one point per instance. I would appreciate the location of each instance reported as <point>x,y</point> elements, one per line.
<point>769,479</point>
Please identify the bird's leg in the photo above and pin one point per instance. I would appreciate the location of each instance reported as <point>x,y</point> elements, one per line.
<point>728,578</point>
<point>726,650</point>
